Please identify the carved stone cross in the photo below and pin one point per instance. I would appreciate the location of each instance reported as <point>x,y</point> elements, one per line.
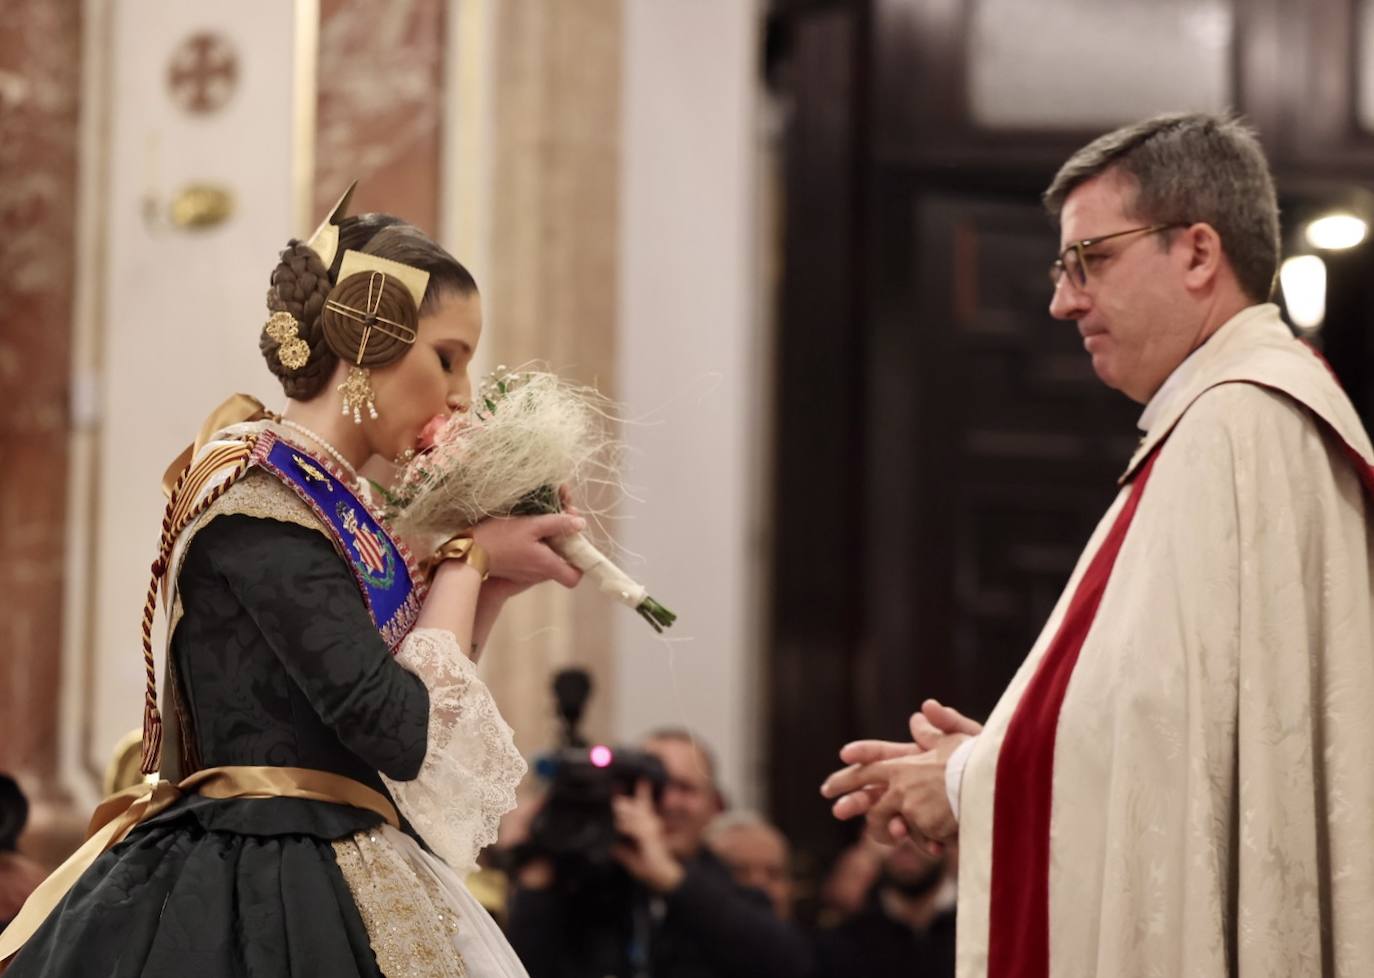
<point>203,73</point>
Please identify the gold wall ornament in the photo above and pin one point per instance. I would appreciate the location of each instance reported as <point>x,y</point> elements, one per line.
<point>203,73</point>
<point>292,351</point>
<point>201,205</point>
<point>357,391</point>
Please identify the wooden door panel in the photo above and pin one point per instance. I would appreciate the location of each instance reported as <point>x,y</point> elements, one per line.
<point>992,423</point>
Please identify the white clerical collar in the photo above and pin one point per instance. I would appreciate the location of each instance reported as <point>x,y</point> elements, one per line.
<point>1251,323</point>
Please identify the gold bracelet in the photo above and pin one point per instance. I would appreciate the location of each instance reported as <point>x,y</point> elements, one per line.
<point>464,549</point>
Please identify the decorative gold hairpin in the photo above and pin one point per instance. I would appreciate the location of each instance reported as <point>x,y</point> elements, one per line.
<point>357,386</point>
<point>292,351</point>
<point>368,315</point>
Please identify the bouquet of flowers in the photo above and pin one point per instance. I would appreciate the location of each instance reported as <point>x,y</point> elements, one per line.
<point>529,433</point>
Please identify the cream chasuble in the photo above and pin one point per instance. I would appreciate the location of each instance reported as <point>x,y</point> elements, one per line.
<point>1179,780</point>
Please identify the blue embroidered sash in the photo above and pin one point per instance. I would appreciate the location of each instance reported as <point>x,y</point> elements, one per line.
<point>380,564</point>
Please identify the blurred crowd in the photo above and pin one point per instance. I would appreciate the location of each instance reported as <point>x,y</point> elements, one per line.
<point>721,895</point>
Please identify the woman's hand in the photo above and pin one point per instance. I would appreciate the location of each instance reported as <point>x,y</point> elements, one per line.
<point>518,555</point>
<point>517,558</point>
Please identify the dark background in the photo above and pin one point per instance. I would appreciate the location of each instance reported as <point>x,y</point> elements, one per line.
<point>943,440</point>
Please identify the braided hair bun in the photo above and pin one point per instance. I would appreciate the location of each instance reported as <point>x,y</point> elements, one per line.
<point>300,285</point>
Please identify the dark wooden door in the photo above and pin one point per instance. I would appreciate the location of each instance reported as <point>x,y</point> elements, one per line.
<point>971,451</point>
<point>943,449</point>
<point>993,449</point>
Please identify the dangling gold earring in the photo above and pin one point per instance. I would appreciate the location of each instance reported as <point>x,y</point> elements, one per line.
<point>357,391</point>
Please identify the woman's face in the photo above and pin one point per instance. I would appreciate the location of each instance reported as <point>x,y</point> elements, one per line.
<point>431,379</point>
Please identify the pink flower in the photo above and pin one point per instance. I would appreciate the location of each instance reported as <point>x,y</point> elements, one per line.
<point>430,432</point>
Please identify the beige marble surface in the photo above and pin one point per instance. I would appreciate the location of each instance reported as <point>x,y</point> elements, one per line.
<point>379,105</point>
<point>552,296</point>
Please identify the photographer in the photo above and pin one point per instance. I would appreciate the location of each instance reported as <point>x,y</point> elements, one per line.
<point>701,923</point>
<point>19,875</point>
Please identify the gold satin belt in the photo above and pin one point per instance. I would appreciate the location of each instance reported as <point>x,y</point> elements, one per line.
<point>119,814</point>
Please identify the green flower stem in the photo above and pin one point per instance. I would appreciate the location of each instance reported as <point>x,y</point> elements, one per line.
<point>656,615</point>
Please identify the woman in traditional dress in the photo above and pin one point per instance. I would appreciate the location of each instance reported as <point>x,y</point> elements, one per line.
<point>330,762</point>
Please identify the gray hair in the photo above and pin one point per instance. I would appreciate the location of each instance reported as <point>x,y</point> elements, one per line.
<point>682,735</point>
<point>728,822</point>
<point>1188,169</point>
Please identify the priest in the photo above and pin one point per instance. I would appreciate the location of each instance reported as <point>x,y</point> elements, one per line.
<point>1178,779</point>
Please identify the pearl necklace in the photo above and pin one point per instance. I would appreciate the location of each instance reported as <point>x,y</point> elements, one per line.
<point>338,455</point>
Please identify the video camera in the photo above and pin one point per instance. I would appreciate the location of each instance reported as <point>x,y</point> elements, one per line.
<point>607,927</point>
<point>575,826</point>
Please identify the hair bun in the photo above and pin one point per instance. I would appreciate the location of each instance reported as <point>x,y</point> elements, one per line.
<point>300,285</point>
<point>374,308</point>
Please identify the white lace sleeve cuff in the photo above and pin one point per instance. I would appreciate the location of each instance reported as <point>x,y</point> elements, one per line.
<point>954,773</point>
<point>471,767</point>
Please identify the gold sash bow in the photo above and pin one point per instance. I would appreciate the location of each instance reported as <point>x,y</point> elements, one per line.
<point>236,410</point>
<point>119,814</point>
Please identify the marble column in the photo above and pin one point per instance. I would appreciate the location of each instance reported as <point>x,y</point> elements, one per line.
<point>40,47</point>
<point>381,72</point>
<point>551,295</point>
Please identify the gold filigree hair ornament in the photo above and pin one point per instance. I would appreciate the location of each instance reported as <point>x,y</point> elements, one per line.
<point>292,351</point>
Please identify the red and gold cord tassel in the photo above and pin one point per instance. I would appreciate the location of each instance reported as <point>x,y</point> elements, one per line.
<point>174,520</point>
<point>152,719</point>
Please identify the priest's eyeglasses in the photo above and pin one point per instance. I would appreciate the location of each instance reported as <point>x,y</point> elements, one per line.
<point>1075,261</point>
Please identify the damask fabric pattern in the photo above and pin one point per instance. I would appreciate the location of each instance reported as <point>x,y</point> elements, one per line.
<point>176,899</point>
<point>257,494</point>
<point>1213,803</point>
<point>278,663</point>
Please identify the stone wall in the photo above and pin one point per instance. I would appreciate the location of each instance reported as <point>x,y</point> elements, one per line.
<point>40,57</point>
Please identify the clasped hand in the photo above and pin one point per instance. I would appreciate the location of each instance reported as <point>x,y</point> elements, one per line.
<point>899,788</point>
<point>517,549</point>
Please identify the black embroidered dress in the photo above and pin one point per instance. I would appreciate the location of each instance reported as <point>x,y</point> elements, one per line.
<point>277,663</point>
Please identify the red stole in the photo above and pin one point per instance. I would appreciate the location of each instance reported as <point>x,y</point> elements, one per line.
<point>1019,922</point>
